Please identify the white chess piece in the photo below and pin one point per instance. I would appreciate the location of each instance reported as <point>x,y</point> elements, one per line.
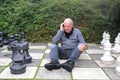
<point>107,57</point>
<point>104,38</point>
<point>118,70</point>
<point>116,48</point>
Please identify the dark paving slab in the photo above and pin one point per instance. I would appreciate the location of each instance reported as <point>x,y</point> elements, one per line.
<point>59,74</point>
<point>34,63</point>
<point>111,72</point>
<point>46,56</point>
<point>36,50</point>
<point>86,64</point>
<point>96,56</point>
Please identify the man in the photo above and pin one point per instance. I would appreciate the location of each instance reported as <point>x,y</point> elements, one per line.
<point>72,45</point>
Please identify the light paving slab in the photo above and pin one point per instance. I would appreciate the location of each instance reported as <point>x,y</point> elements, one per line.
<point>99,62</point>
<point>1,68</point>
<point>89,73</point>
<point>47,51</point>
<point>29,74</point>
<point>92,44</point>
<point>36,55</point>
<point>49,44</point>
<point>95,51</point>
<point>60,74</point>
<point>85,56</point>
<point>5,47</point>
<point>6,51</point>
<point>5,61</point>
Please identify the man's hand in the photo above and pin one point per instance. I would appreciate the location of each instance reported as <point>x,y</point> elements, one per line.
<point>82,47</point>
<point>61,26</point>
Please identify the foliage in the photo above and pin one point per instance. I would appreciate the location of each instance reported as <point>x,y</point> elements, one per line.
<point>40,19</point>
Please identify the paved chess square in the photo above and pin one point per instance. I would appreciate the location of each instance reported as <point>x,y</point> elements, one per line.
<point>89,73</point>
<point>88,66</point>
<point>29,74</point>
<point>61,74</point>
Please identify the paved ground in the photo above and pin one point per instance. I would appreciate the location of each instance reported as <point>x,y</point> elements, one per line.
<point>88,67</point>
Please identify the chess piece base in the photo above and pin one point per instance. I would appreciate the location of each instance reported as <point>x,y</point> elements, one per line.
<point>28,60</point>
<point>1,45</point>
<point>16,69</point>
<point>118,70</point>
<point>5,42</point>
<point>107,62</point>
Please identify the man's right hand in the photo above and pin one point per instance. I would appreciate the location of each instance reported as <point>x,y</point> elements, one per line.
<point>61,26</point>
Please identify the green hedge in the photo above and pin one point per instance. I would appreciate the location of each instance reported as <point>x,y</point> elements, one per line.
<point>40,19</point>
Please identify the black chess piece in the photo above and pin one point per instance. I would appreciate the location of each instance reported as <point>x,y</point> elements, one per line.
<point>27,57</point>
<point>18,66</point>
<point>23,36</point>
<point>11,39</point>
<point>1,38</point>
<point>5,35</point>
<point>16,38</point>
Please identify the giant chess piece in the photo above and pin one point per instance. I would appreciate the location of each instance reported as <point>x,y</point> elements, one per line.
<point>18,66</point>
<point>27,57</point>
<point>116,48</point>
<point>104,38</point>
<point>5,41</point>
<point>1,38</point>
<point>107,57</point>
<point>118,70</point>
<point>118,59</point>
<point>11,39</point>
<point>16,38</point>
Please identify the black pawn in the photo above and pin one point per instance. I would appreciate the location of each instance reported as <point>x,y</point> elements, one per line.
<point>1,38</point>
<point>23,36</point>
<point>5,42</point>
<point>11,39</point>
<point>27,57</point>
<point>16,38</point>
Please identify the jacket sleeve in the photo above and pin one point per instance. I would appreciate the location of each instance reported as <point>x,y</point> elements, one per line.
<point>57,37</point>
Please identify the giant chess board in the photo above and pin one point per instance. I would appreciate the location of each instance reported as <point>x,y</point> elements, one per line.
<point>88,66</point>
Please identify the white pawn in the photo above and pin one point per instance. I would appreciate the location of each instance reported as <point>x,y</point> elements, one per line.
<point>118,70</point>
<point>116,48</point>
<point>118,60</point>
<point>107,57</point>
<point>104,38</point>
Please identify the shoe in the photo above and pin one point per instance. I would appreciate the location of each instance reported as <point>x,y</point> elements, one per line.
<point>68,65</point>
<point>51,66</point>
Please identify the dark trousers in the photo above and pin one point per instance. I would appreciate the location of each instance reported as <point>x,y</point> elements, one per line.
<point>57,53</point>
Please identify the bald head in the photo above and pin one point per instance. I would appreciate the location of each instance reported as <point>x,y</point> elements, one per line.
<point>68,25</point>
<point>69,21</point>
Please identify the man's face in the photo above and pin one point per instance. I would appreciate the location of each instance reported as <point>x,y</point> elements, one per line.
<point>67,27</point>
